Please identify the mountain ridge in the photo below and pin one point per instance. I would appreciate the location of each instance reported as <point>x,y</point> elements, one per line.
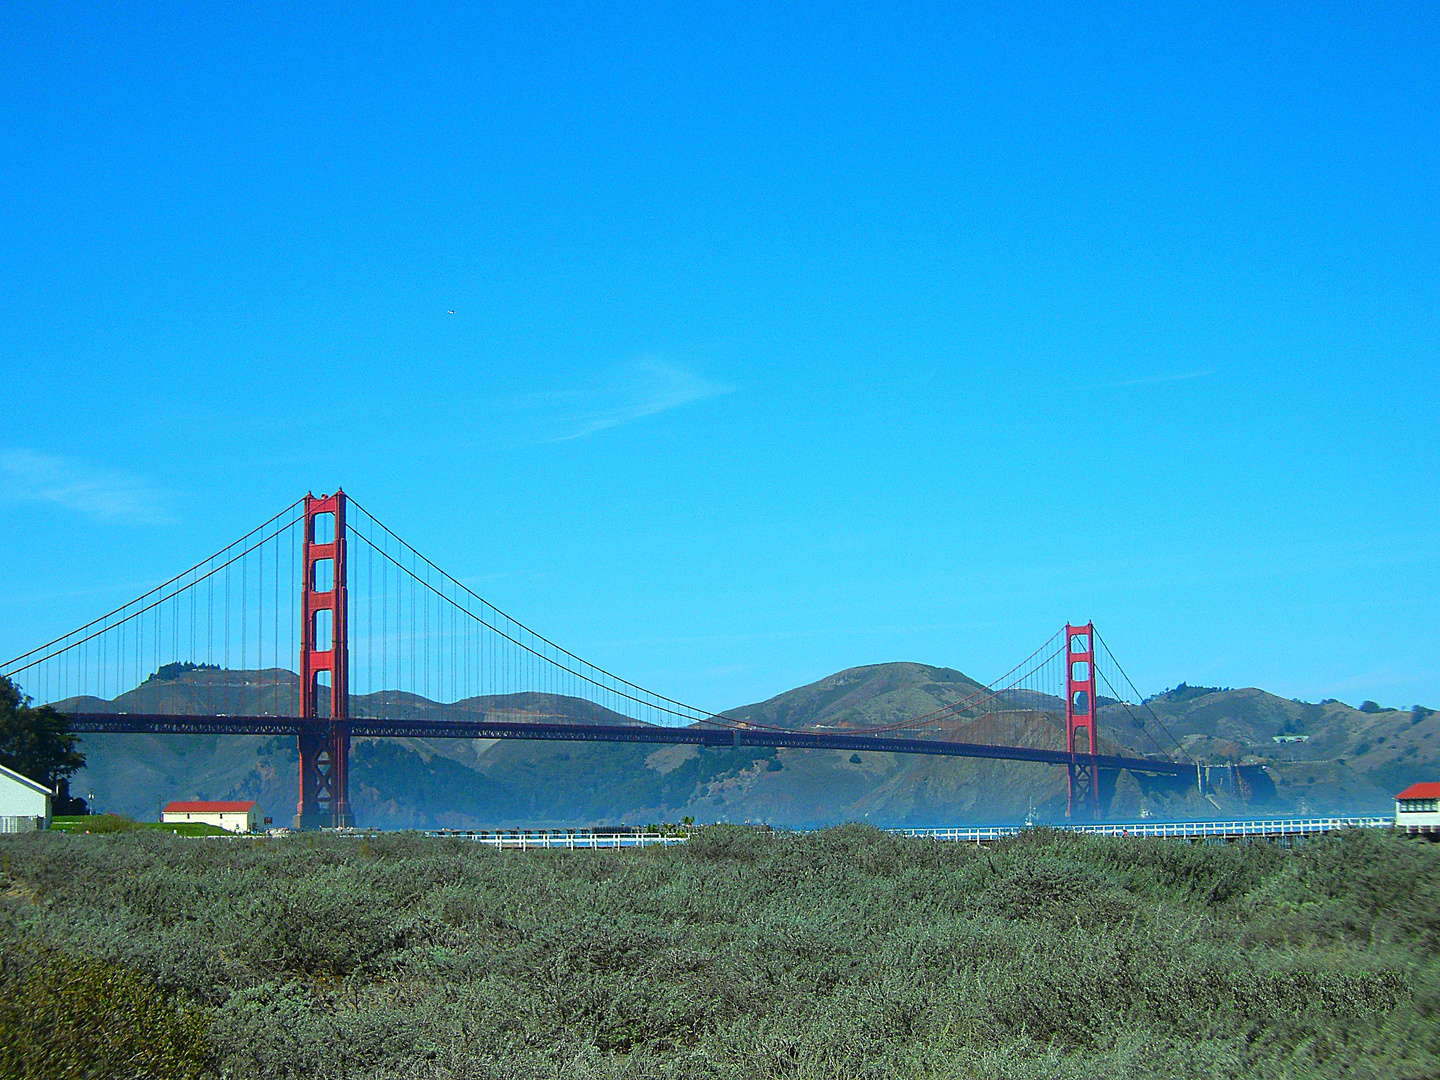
<point>1349,759</point>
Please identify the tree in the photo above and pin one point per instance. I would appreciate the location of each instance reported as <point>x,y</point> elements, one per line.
<point>36,742</point>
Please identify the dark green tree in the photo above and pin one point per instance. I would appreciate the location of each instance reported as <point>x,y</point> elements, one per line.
<point>36,742</point>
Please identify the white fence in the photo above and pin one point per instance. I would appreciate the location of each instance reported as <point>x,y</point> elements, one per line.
<point>1189,830</point>
<point>590,840</point>
<point>585,839</point>
<point>566,839</point>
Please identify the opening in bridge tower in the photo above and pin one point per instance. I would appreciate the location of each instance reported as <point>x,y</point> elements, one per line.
<point>1080,720</point>
<point>324,669</point>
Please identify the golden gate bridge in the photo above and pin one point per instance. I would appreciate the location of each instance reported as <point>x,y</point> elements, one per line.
<point>339,629</point>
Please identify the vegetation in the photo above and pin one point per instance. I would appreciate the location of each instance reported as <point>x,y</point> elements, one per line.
<point>35,742</point>
<point>92,823</point>
<point>171,672</point>
<point>112,823</point>
<point>1184,692</point>
<point>744,953</point>
<point>66,1017</point>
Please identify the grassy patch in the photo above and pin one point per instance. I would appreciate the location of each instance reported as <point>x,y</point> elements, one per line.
<point>114,823</point>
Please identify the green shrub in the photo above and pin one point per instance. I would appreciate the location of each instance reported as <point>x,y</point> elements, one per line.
<point>94,823</point>
<point>63,1016</point>
<point>746,953</point>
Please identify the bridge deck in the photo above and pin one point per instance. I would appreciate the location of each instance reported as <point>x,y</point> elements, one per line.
<point>157,723</point>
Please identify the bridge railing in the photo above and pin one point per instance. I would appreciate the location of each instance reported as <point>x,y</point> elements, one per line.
<point>567,839</point>
<point>592,839</point>
<point>1294,826</point>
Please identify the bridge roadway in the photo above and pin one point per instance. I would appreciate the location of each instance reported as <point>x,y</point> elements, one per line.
<point>370,727</point>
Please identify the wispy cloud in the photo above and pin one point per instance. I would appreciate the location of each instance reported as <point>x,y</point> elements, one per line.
<point>640,389</point>
<point>106,494</point>
<point>1151,380</point>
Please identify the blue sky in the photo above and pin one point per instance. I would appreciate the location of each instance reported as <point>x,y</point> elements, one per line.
<point>785,338</point>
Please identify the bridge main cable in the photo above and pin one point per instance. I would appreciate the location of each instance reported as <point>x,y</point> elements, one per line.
<point>624,688</point>
<point>13,666</point>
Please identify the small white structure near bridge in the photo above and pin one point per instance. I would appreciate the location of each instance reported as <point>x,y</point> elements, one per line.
<point>231,816</point>
<point>1417,809</point>
<point>24,803</point>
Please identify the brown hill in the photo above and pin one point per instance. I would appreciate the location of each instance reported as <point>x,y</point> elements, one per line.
<point>863,697</point>
<point>1351,761</point>
<point>1332,753</point>
<point>275,692</point>
<point>885,694</point>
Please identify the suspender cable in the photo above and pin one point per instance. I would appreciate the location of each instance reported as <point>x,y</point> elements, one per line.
<point>229,677</point>
<point>294,620</point>
<point>105,621</point>
<point>370,625</point>
<point>414,684</point>
<point>275,636</point>
<point>244,627</point>
<point>425,637</point>
<point>384,625</point>
<point>259,629</point>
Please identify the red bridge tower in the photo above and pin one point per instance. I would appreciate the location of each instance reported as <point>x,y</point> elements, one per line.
<point>1080,719</point>
<point>324,669</point>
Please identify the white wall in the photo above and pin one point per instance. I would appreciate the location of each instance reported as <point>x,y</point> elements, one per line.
<point>1427,820</point>
<point>233,820</point>
<point>19,799</point>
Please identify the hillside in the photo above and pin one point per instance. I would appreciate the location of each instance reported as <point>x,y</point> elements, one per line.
<point>275,692</point>
<point>1353,761</point>
<point>863,697</point>
<point>476,783</point>
<point>1347,756</point>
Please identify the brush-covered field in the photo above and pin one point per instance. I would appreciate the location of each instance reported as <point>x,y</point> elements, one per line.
<point>844,953</point>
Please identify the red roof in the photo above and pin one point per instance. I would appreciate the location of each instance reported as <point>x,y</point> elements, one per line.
<point>209,807</point>
<point>1421,791</point>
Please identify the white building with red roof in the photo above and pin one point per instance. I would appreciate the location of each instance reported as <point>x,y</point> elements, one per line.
<point>231,816</point>
<point>1417,809</point>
